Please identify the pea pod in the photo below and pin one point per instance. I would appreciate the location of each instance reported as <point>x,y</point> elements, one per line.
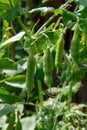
<point>59,51</point>
<point>74,49</point>
<point>30,74</point>
<point>48,67</point>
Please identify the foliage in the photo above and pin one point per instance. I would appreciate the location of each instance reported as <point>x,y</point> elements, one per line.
<point>34,103</point>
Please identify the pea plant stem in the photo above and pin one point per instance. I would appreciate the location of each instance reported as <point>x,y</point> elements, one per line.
<point>40,92</point>
<point>45,24</point>
<point>70,96</point>
<point>14,31</point>
<point>23,26</point>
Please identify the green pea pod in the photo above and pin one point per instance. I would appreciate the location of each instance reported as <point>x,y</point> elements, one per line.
<point>48,67</point>
<point>74,49</point>
<point>30,74</point>
<point>59,51</point>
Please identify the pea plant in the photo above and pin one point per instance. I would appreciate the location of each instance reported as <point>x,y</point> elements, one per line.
<point>38,77</point>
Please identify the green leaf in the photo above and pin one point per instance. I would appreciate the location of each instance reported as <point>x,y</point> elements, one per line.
<point>78,74</point>
<point>42,9</point>
<point>83,14</point>
<point>16,2</point>
<point>75,89</point>
<point>4,5</point>
<point>3,121</point>
<point>69,18</point>
<point>8,98</point>
<point>23,63</point>
<point>11,40</point>
<point>40,42</point>
<point>43,1</point>
<point>9,67</point>
<point>58,11</point>
<point>13,13</point>
<point>53,36</point>
<point>6,109</point>
<point>54,90</point>
<point>82,3</point>
<point>1,30</point>
<point>83,52</point>
<point>28,123</point>
<point>16,81</point>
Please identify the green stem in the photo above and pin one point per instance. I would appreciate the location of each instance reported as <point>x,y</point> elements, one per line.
<point>70,96</point>
<point>14,31</point>
<point>57,23</point>
<point>10,2</point>
<point>40,92</point>
<point>2,81</point>
<point>66,4</point>
<point>23,27</point>
<point>45,24</point>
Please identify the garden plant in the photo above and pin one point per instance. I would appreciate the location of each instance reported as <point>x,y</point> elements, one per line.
<point>38,76</point>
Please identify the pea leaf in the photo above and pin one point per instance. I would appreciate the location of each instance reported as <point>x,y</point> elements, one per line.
<point>82,3</point>
<point>53,36</point>
<point>28,123</point>
<point>11,40</point>
<point>6,109</point>
<point>4,1</point>
<point>40,42</point>
<point>16,81</point>
<point>43,1</point>
<point>12,13</point>
<point>69,18</point>
<point>23,63</point>
<point>42,9</point>
<point>16,2</point>
<point>75,89</point>
<point>1,30</point>
<point>4,6</point>
<point>8,98</point>
<point>9,67</point>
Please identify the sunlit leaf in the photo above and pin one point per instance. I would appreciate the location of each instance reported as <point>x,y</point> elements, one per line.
<point>5,1</point>
<point>11,40</point>
<point>16,2</point>
<point>28,123</point>
<point>3,121</point>
<point>53,36</point>
<point>43,1</point>
<point>58,11</point>
<point>16,81</point>
<point>75,89</point>
<point>42,9</point>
